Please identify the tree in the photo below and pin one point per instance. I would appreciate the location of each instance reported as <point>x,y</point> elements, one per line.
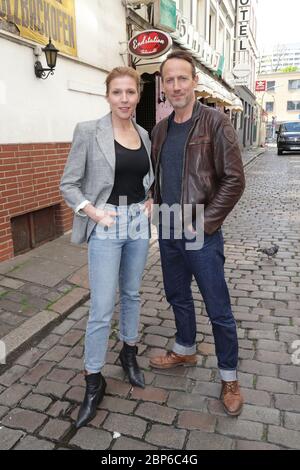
<point>289,68</point>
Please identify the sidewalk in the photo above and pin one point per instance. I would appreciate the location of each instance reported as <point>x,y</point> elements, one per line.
<point>43,286</point>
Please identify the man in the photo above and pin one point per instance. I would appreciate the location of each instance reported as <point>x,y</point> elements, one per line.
<point>197,161</point>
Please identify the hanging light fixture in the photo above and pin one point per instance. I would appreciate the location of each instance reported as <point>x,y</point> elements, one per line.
<point>51,57</point>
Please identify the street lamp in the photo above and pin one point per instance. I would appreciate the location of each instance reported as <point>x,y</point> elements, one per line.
<point>51,57</point>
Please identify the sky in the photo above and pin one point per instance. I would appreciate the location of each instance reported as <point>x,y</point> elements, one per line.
<point>278,22</point>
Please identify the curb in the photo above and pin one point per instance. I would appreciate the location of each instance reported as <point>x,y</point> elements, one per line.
<point>254,158</point>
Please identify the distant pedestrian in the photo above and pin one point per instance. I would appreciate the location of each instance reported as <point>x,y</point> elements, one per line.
<point>106,182</point>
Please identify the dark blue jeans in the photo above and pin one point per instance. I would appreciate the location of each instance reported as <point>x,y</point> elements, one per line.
<point>207,267</point>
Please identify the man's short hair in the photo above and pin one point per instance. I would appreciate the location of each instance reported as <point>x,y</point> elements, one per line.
<point>183,55</point>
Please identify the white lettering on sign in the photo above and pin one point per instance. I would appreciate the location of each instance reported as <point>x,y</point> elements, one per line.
<point>136,44</point>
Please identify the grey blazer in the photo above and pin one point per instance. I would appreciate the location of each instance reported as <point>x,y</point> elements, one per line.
<point>90,170</point>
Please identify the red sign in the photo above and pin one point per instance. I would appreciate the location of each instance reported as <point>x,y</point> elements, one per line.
<point>150,44</point>
<point>261,85</point>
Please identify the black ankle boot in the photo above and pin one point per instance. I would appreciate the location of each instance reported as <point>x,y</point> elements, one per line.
<point>94,393</point>
<point>127,357</point>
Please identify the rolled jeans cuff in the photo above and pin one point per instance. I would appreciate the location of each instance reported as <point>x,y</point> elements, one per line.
<point>184,350</point>
<point>228,375</point>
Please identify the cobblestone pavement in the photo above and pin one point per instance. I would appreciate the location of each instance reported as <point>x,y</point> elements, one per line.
<point>179,409</point>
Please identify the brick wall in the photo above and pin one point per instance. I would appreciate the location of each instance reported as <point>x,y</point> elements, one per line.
<point>29,180</point>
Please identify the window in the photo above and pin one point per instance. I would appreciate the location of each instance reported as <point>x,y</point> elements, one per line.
<point>293,105</point>
<point>269,106</point>
<point>271,85</point>
<point>290,127</point>
<point>294,84</point>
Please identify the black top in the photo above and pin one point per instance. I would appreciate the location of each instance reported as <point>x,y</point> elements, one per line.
<point>131,167</point>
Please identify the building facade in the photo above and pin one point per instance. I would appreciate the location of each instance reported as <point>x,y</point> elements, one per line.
<point>245,61</point>
<point>281,100</point>
<point>281,56</point>
<point>37,117</point>
<point>206,28</point>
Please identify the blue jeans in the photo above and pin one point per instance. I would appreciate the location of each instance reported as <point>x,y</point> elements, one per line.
<point>207,267</point>
<point>117,255</point>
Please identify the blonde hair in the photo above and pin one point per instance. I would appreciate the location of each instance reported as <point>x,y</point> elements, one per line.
<point>123,72</point>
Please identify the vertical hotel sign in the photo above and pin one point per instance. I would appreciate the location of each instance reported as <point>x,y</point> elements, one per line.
<point>244,9</point>
<point>38,20</point>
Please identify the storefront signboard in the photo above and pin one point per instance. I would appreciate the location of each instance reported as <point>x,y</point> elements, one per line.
<point>150,44</point>
<point>38,20</point>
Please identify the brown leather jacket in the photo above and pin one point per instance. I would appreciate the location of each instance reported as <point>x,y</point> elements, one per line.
<point>213,172</point>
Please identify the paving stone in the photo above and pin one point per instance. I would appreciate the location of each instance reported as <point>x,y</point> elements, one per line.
<point>199,440</point>
<point>49,342</point>
<point>37,372</point>
<point>157,413</point>
<point>154,394</point>
<point>52,389</point>
<point>91,439</point>
<point>32,443</point>
<point>166,437</point>
<point>61,375</point>
<point>9,438</point>
<point>12,375</point>
<point>240,428</point>
<point>287,402</point>
<point>71,338</point>
<point>254,445</point>
<point>26,420</point>
<point>284,437</point>
<point>184,401</point>
<point>11,283</point>
<point>261,414</point>
<point>125,443</point>
<point>30,358</point>
<point>128,425</point>
<point>156,341</point>
<point>59,409</point>
<point>117,405</point>
<point>291,373</point>
<point>292,421</point>
<point>256,367</point>
<point>172,383</point>
<point>78,313</point>
<point>55,430</point>
<point>64,327</point>
<point>56,354</point>
<point>268,345</point>
<point>36,402</point>
<point>13,395</point>
<point>273,357</point>
<point>3,411</point>
<point>196,420</point>
<point>274,385</point>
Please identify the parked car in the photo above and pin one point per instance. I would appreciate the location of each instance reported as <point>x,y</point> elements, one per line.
<point>288,137</point>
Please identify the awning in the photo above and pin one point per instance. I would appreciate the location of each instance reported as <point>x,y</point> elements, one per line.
<point>237,104</point>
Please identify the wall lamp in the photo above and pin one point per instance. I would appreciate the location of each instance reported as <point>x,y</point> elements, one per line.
<point>51,56</point>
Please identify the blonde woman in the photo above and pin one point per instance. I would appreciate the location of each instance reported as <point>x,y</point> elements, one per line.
<point>106,182</point>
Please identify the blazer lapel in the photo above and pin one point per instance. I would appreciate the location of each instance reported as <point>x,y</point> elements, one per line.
<point>105,139</point>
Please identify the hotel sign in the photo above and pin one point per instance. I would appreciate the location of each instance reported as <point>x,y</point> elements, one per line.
<point>189,38</point>
<point>243,25</point>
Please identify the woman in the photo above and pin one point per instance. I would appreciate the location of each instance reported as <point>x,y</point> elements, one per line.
<point>106,182</point>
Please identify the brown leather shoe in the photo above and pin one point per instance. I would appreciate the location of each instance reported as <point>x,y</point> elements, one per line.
<point>172,359</point>
<point>231,398</point>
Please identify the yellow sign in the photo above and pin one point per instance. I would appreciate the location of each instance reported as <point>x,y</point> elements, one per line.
<point>40,19</point>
